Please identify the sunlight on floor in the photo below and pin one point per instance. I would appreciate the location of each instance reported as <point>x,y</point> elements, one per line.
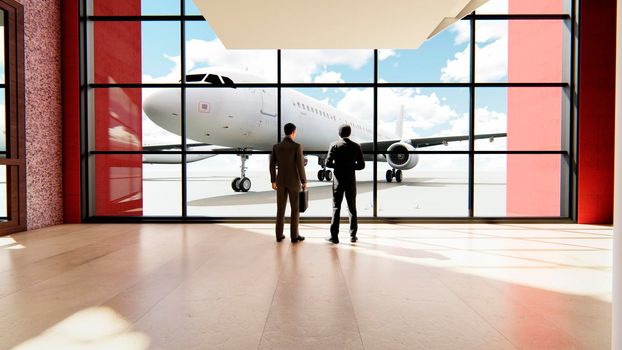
<point>92,328</point>
<point>570,259</point>
<point>9,243</point>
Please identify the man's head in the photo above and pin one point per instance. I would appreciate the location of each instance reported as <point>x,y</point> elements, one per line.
<point>345,130</point>
<point>290,130</point>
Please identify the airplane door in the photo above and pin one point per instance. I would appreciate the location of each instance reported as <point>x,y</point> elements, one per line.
<point>268,103</point>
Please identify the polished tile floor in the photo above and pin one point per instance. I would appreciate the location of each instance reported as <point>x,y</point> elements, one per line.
<point>403,286</point>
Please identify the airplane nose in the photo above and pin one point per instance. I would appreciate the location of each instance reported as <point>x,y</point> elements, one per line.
<point>162,105</point>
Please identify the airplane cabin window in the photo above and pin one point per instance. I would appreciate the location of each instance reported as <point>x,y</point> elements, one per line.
<point>193,78</point>
<point>213,79</point>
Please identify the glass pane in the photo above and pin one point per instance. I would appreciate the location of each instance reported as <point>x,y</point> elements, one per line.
<point>327,66</point>
<point>134,52</point>
<point>318,113</point>
<point>125,186</point>
<point>521,185</point>
<point>534,118</point>
<point>2,124</point>
<point>191,8</point>
<point>162,189</point>
<point>234,118</point>
<point>3,194</point>
<point>427,113</point>
<point>2,34</point>
<point>134,7</point>
<point>205,53</point>
<point>525,7</point>
<point>133,119</point>
<point>520,51</point>
<point>118,184</point>
<point>210,191</point>
<point>444,58</point>
<point>433,185</point>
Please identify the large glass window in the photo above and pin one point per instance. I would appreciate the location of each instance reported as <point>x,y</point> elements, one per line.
<point>12,120</point>
<point>475,123</point>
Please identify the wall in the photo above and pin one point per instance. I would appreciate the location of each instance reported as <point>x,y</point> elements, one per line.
<point>535,55</point>
<point>43,113</point>
<point>596,111</point>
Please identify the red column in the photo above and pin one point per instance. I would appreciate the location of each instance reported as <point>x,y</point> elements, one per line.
<point>71,111</point>
<point>596,111</point>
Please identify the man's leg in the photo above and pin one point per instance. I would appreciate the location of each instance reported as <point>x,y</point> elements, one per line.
<point>281,202</point>
<point>334,223</point>
<point>295,215</point>
<point>351,200</point>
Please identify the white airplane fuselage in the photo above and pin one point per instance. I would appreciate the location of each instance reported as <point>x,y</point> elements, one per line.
<point>247,117</point>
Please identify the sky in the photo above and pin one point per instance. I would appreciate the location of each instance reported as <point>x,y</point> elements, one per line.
<point>428,112</point>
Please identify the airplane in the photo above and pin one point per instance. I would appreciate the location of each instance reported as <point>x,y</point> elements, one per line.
<point>246,119</point>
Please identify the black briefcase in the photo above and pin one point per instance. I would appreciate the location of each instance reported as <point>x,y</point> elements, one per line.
<point>303,200</point>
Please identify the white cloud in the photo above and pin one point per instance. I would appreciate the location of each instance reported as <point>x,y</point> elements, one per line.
<point>485,31</point>
<point>302,65</point>
<point>385,53</point>
<point>329,77</point>
<point>421,111</point>
<point>494,6</point>
<point>462,30</point>
<point>491,62</point>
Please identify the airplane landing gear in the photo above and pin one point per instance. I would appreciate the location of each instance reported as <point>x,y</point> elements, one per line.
<point>324,174</point>
<point>242,183</point>
<point>394,174</point>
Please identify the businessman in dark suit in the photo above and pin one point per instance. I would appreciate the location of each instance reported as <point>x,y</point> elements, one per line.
<point>345,156</point>
<point>288,158</point>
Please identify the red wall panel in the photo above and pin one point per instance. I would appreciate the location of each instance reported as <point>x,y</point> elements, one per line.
<point>118,113</point>
<point>596,111</point>
<point>71,111</point>
<point>534,115</point>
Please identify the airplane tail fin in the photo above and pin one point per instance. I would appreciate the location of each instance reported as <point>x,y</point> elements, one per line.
<point>399,126</point>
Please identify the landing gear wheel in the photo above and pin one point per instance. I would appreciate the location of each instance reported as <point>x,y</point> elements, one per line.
<point>320,175</point>
<point>389,175</point>
<point>329,175</point>
<point>235,184</point>
<point>398,176</point>
<point>245,184</point>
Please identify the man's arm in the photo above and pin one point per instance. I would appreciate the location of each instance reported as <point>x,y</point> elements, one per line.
<point>273,162</point>
<point>300,165</point>
<point>330,158</point>
<point>359,162</point>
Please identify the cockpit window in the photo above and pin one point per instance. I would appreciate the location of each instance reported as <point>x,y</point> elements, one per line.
<point>194,78</point>
<point>227,80</point>
<point>213,79</point>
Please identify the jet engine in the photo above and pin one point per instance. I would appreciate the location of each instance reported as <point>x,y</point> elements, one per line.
<point>402,160</point>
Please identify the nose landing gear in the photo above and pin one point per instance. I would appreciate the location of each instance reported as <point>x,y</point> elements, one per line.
<point>394,174</point>
<point>242,183</point>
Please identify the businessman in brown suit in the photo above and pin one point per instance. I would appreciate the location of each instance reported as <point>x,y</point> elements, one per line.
<point>287,156</point>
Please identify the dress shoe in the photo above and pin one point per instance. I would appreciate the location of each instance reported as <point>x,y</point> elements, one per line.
<point>280,238</point>
<point>332,240</point>
<point>353,239</point>
<point>298,239</point>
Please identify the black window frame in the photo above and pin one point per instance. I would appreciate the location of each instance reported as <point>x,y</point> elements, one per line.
<point>570,88</point>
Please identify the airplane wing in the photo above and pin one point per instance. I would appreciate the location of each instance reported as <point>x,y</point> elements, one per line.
<point>163,158</point>
<point>176,147</point>
<point>428,141</point>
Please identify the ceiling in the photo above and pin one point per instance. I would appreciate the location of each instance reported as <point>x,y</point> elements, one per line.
<point>331,24</point>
